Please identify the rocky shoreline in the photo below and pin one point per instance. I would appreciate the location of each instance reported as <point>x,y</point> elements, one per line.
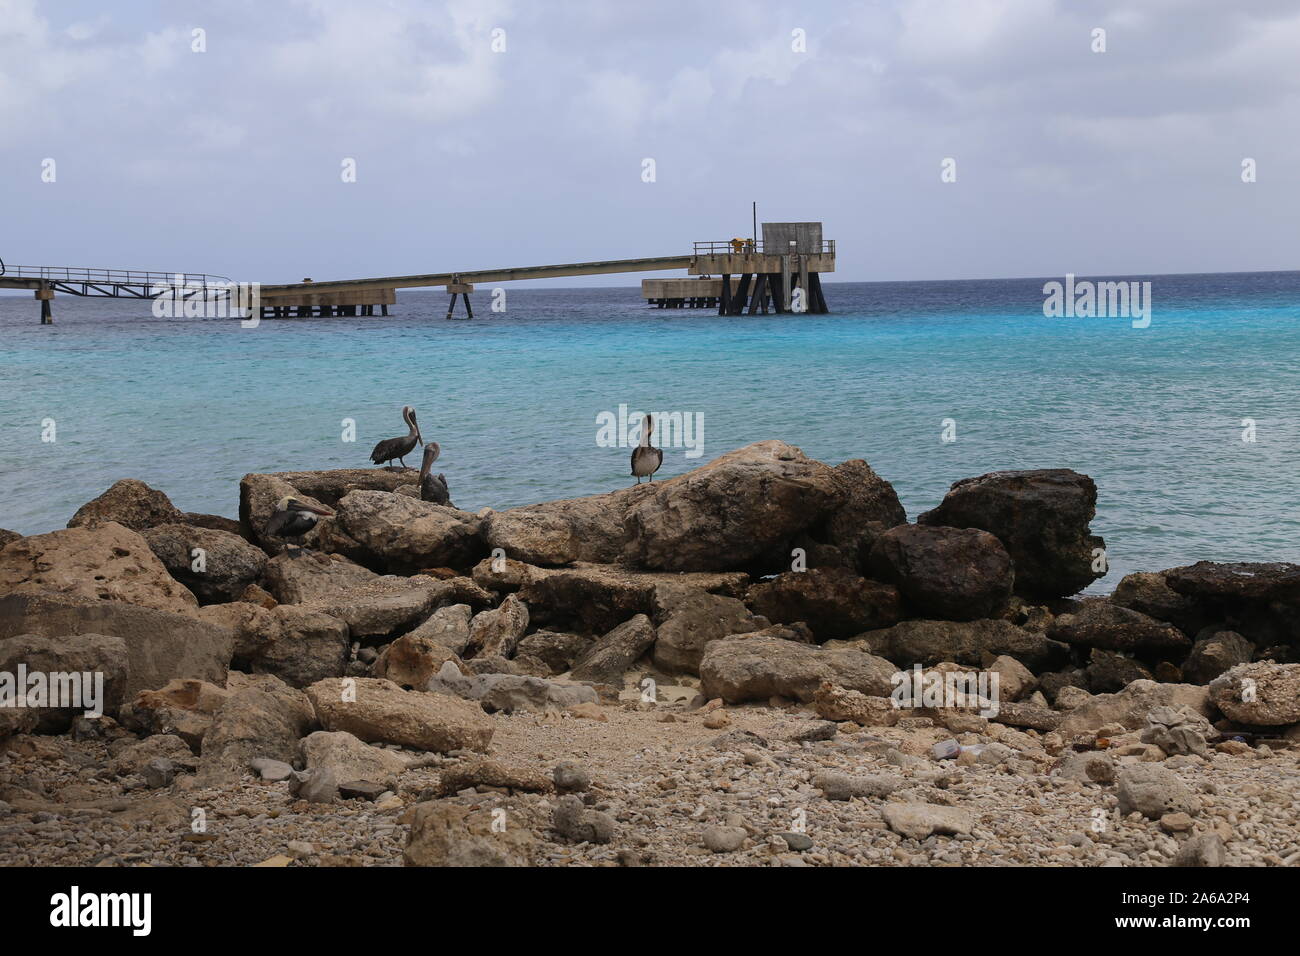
<point>759,662</point>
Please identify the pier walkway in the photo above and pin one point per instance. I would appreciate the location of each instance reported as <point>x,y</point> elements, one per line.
<point>785,266</point>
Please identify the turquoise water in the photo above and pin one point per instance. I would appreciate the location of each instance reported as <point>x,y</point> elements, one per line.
<point>1154,415</point>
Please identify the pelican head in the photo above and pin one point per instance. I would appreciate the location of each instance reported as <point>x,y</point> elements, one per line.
<point>408,416</point>
<point>290,503</point>
<point>431,452</point>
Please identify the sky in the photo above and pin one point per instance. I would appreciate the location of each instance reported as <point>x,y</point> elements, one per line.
<point>494,133</point>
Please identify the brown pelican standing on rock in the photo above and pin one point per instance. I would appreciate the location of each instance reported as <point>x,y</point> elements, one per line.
<point>432,487</point>
<point>646,459</point>
<point>399,448</point>
<point>294,518</point>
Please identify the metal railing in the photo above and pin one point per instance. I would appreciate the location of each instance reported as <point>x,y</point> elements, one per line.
<point>80,274</point>
<point>737,247</point>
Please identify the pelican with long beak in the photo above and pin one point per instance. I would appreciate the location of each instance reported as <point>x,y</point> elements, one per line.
<point>398,448</point>
<point>646,459</point>
<point>433,487</point>
<point>294,518</point>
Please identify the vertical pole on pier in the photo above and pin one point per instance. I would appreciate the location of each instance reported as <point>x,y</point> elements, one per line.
<point>724,303</point>
<point>759,297</point>
<point>742,291</point>
<point>45,294</point>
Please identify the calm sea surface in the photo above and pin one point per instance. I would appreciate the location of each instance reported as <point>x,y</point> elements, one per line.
<point>1154,415</point>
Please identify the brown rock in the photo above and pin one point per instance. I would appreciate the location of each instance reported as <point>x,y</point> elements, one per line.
<point>106,562</point>
<point>384,712</point>
<point>763,664</point>
<point>130,503</point>
<point>834,602</point>
<point>958,574</point>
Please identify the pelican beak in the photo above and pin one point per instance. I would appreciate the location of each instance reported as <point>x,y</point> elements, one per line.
<point>325,512</point>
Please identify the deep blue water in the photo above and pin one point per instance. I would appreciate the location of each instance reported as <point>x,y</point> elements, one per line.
<point>1154,415</point>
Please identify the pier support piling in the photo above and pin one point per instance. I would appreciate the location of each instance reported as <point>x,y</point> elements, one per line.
<point>46,295</point>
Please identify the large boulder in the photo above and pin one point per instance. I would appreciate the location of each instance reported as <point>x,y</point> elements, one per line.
<point>448,835</point>
<point>258,496</point>
<point>448,626</point>
<point>398,533</point>
<point>511,692</point>
<point>1261,694</point>
<point>1042,519</point>
<point>554,652</point>
<point>348,758</point>
<point>742,510</point>
<point>6,536</point>
<point>297,644</point>
<point>295,580</point>
<point>332,486</point>
<point>1149,592</point>
<point>160,645</point>
<point>497,632</point>
<point>958,574</point>
<point>693,622</point>
<point>765,664</point>
<point>1215,653</point>
<point>597,597</point>
<point>215,565</point>
<point>562,532</point>
<point>1238,581</point>
<point>1102,624</point>
<point>1130,707</point>
<point>381,711</point>
<point>611,655</point>
<point>79,674</point>
<point>973,643</point>
<point>130,503</point>
<point>834,602</point>
<point>870,507</point>
<point>105,562</point>
<point>385,607</point>
<point>183,708</point>
<point>265,719</point>
<point>412,659</point>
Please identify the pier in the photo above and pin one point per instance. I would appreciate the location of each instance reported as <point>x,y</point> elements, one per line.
<point>781,272</point>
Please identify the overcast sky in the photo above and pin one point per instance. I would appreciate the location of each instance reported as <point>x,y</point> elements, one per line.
<point>229,161</point>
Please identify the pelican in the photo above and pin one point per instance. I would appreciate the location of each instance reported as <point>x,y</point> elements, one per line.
<point>432,487</point>
<point>646,459</point>
<point>399,448</point>
<point>294,518</point>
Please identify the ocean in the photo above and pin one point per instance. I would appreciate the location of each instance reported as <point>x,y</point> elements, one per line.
<point>1155,415</point>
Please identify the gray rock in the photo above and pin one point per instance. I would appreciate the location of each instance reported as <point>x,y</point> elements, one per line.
<point>1178,731</point>
<point>1205,849</point>
<point>229,563</point>
<point>159,773</point>
<point>570,777</point>
<point>842,786</point>
<point>497,632</point>
<point>695,621</point>
<point>721,839</point>
<point>576,823</point>
<point>271,771</point>
<point>920,820</point>
<point>1153,791</point>
<point>314,786</point>
<point>763,665</point>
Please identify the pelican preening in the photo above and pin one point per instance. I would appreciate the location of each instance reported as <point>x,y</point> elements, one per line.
<point>646,459</point>
<point>432,487</point>
<point>294,518</point>
<point>398,448</point>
